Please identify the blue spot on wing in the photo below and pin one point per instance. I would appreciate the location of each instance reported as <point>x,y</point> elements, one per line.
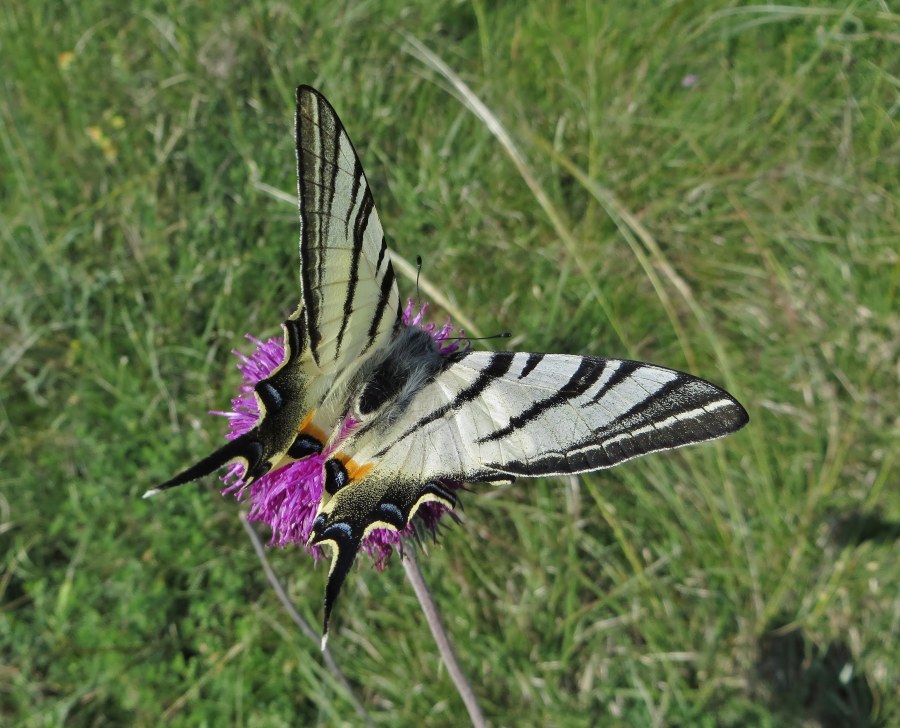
<point>389,513</point>
<point>337,529</point>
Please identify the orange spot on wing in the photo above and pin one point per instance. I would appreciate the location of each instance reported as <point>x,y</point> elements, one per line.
<point>358,472</point>
<point>307,420</point>
<point>354,470</point>
<point>308,428</point>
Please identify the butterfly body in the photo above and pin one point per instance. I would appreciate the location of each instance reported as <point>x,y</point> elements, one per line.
<point>393,416</point>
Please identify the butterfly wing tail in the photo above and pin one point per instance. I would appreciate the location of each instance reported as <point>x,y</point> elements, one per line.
<point>344,539</point>
<point>246,449</point>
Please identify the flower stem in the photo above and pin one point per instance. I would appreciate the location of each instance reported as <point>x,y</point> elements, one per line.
<point>301,623</point>
<point>442,640</point>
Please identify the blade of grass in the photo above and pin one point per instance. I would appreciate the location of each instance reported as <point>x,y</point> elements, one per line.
<point>471,101</point>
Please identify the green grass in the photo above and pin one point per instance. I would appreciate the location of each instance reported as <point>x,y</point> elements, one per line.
<point>745,228</point>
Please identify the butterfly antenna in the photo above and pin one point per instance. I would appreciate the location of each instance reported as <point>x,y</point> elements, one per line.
<point>501,335</point>
<point>418,273</point>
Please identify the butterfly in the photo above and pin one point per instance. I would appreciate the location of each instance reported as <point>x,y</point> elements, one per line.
<point>420,418</point>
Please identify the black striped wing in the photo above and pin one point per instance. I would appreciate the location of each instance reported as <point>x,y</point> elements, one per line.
<point>350,299</point>
<point>496,416</point>
<point>490,416</point>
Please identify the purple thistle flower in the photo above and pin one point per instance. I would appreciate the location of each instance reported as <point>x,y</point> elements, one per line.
<point>287,499</point>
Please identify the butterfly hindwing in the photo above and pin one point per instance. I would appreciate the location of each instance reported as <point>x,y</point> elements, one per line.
<point>283,403</point>
<point>357,508</point>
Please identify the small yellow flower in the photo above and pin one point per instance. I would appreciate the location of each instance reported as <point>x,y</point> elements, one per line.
<point>110,153</point>
<point>64,60</point>
<point>73,352</point>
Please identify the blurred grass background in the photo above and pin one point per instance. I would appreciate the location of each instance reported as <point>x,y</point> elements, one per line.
<point>719,192</point>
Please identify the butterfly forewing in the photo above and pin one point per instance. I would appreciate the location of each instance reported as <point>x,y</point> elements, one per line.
<point>494,414</point>
<point>349,292</point>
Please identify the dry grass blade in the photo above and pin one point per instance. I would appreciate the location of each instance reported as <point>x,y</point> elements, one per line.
<point>477,107</point>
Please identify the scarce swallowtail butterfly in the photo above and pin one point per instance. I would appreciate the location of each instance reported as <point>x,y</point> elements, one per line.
<point>392,417</point>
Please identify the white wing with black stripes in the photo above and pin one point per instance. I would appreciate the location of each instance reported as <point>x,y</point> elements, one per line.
<point>349,310</point>
<point>488,416</point>
<point>350,299</point>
